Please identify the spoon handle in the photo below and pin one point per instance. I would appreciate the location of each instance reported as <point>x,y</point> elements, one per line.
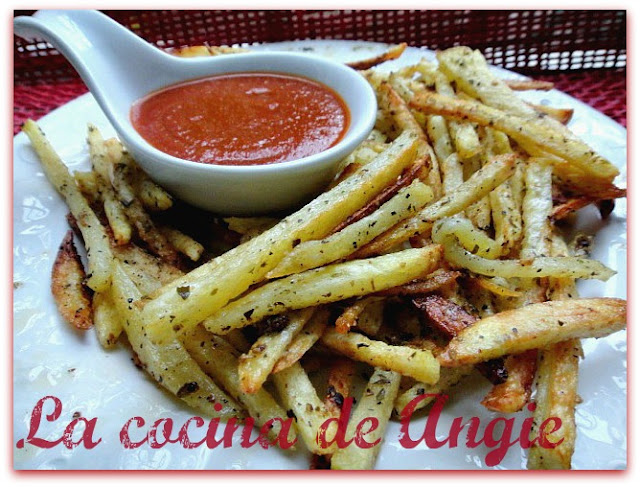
<point>109,57</point>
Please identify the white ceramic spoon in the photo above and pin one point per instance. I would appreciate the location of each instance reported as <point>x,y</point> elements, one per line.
<point>120,68</point>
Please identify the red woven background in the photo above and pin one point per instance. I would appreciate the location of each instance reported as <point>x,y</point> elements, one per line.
<point>582,52</point>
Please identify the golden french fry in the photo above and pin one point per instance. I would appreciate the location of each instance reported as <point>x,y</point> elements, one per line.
<point>168,363</point>
<point>67,286</point>
<point>376,402</point>
<point>299,396</point>
<point>556,397</point>
<point>390,54</point>
<point>316,253</point>
<point>256,365</point>
<point>183,243</point>
<point>303,341</point>
<point>326,285</point>
<point>413,362</point>
<point>93,233</point>
<point>535,326</point>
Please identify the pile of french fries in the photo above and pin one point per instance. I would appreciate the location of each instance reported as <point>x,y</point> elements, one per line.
<point>434,255</point>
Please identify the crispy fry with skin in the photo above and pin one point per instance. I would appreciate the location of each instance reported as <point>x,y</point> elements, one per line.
<point>255,366</point>
<point>430,284</point>
<point>349,317</point>
<point>67,285</point>
<point>562,115</point>
<point>535,326</point>
<point>385,195</point>
<point>446,316</point>
<point>514,393</point>
<point>303,341</point>
<point>528,84</point>
<point>450,319</point>
<point>573,204</point>
<point>389,55</point>
<point>339,384</point>
<point>413,362</point>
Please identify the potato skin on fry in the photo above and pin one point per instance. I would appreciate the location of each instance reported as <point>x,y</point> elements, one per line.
<point>535,326</point>
<point>67,285</point>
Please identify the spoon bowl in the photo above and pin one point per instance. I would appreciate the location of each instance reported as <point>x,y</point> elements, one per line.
<point>120,68</point>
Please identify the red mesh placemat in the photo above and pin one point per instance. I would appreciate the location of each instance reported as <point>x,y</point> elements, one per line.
<point>556,45</point>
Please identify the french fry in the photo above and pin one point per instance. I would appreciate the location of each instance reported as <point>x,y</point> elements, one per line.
<point>469,70</point>
<point>433,282</point>
<point>216,358</point>
<point>528,84</point>
<point>93,233</point>
<point>497,286</point>
<point>123,177</point>
<point>536,210</point>
<point>574,267</point>
<point>255,366</point>
<point>383,196</point>
<point>67,286</point>
<point>557,385</point>
<point>317,253</point>
<point>449,377</point>
<point>514,393</point>
<point>183,243</point>
<point>390,54</point>
<point>479,185</point>
<point>248,263</point>
<point>372,317</point>
<point>562,115</point>
<point>470,237</point>
<point>339,384</point>
<point>299,396</point>
<point>326,285</point>
<point>535,326</point>
<point>88,184</point>
<point>557,397</point>
<point>169,363</point>
<point>349,317</point>
<point>403,120</point>
<point>413,362</point>
<point>529,133</point>
<point>152,196</point>
<point>376,402</point>
<point>113,208</point>
<point>107,321</point>
<point>303,341</point>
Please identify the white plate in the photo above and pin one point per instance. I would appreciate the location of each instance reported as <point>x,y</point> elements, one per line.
<point>52,359</point>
